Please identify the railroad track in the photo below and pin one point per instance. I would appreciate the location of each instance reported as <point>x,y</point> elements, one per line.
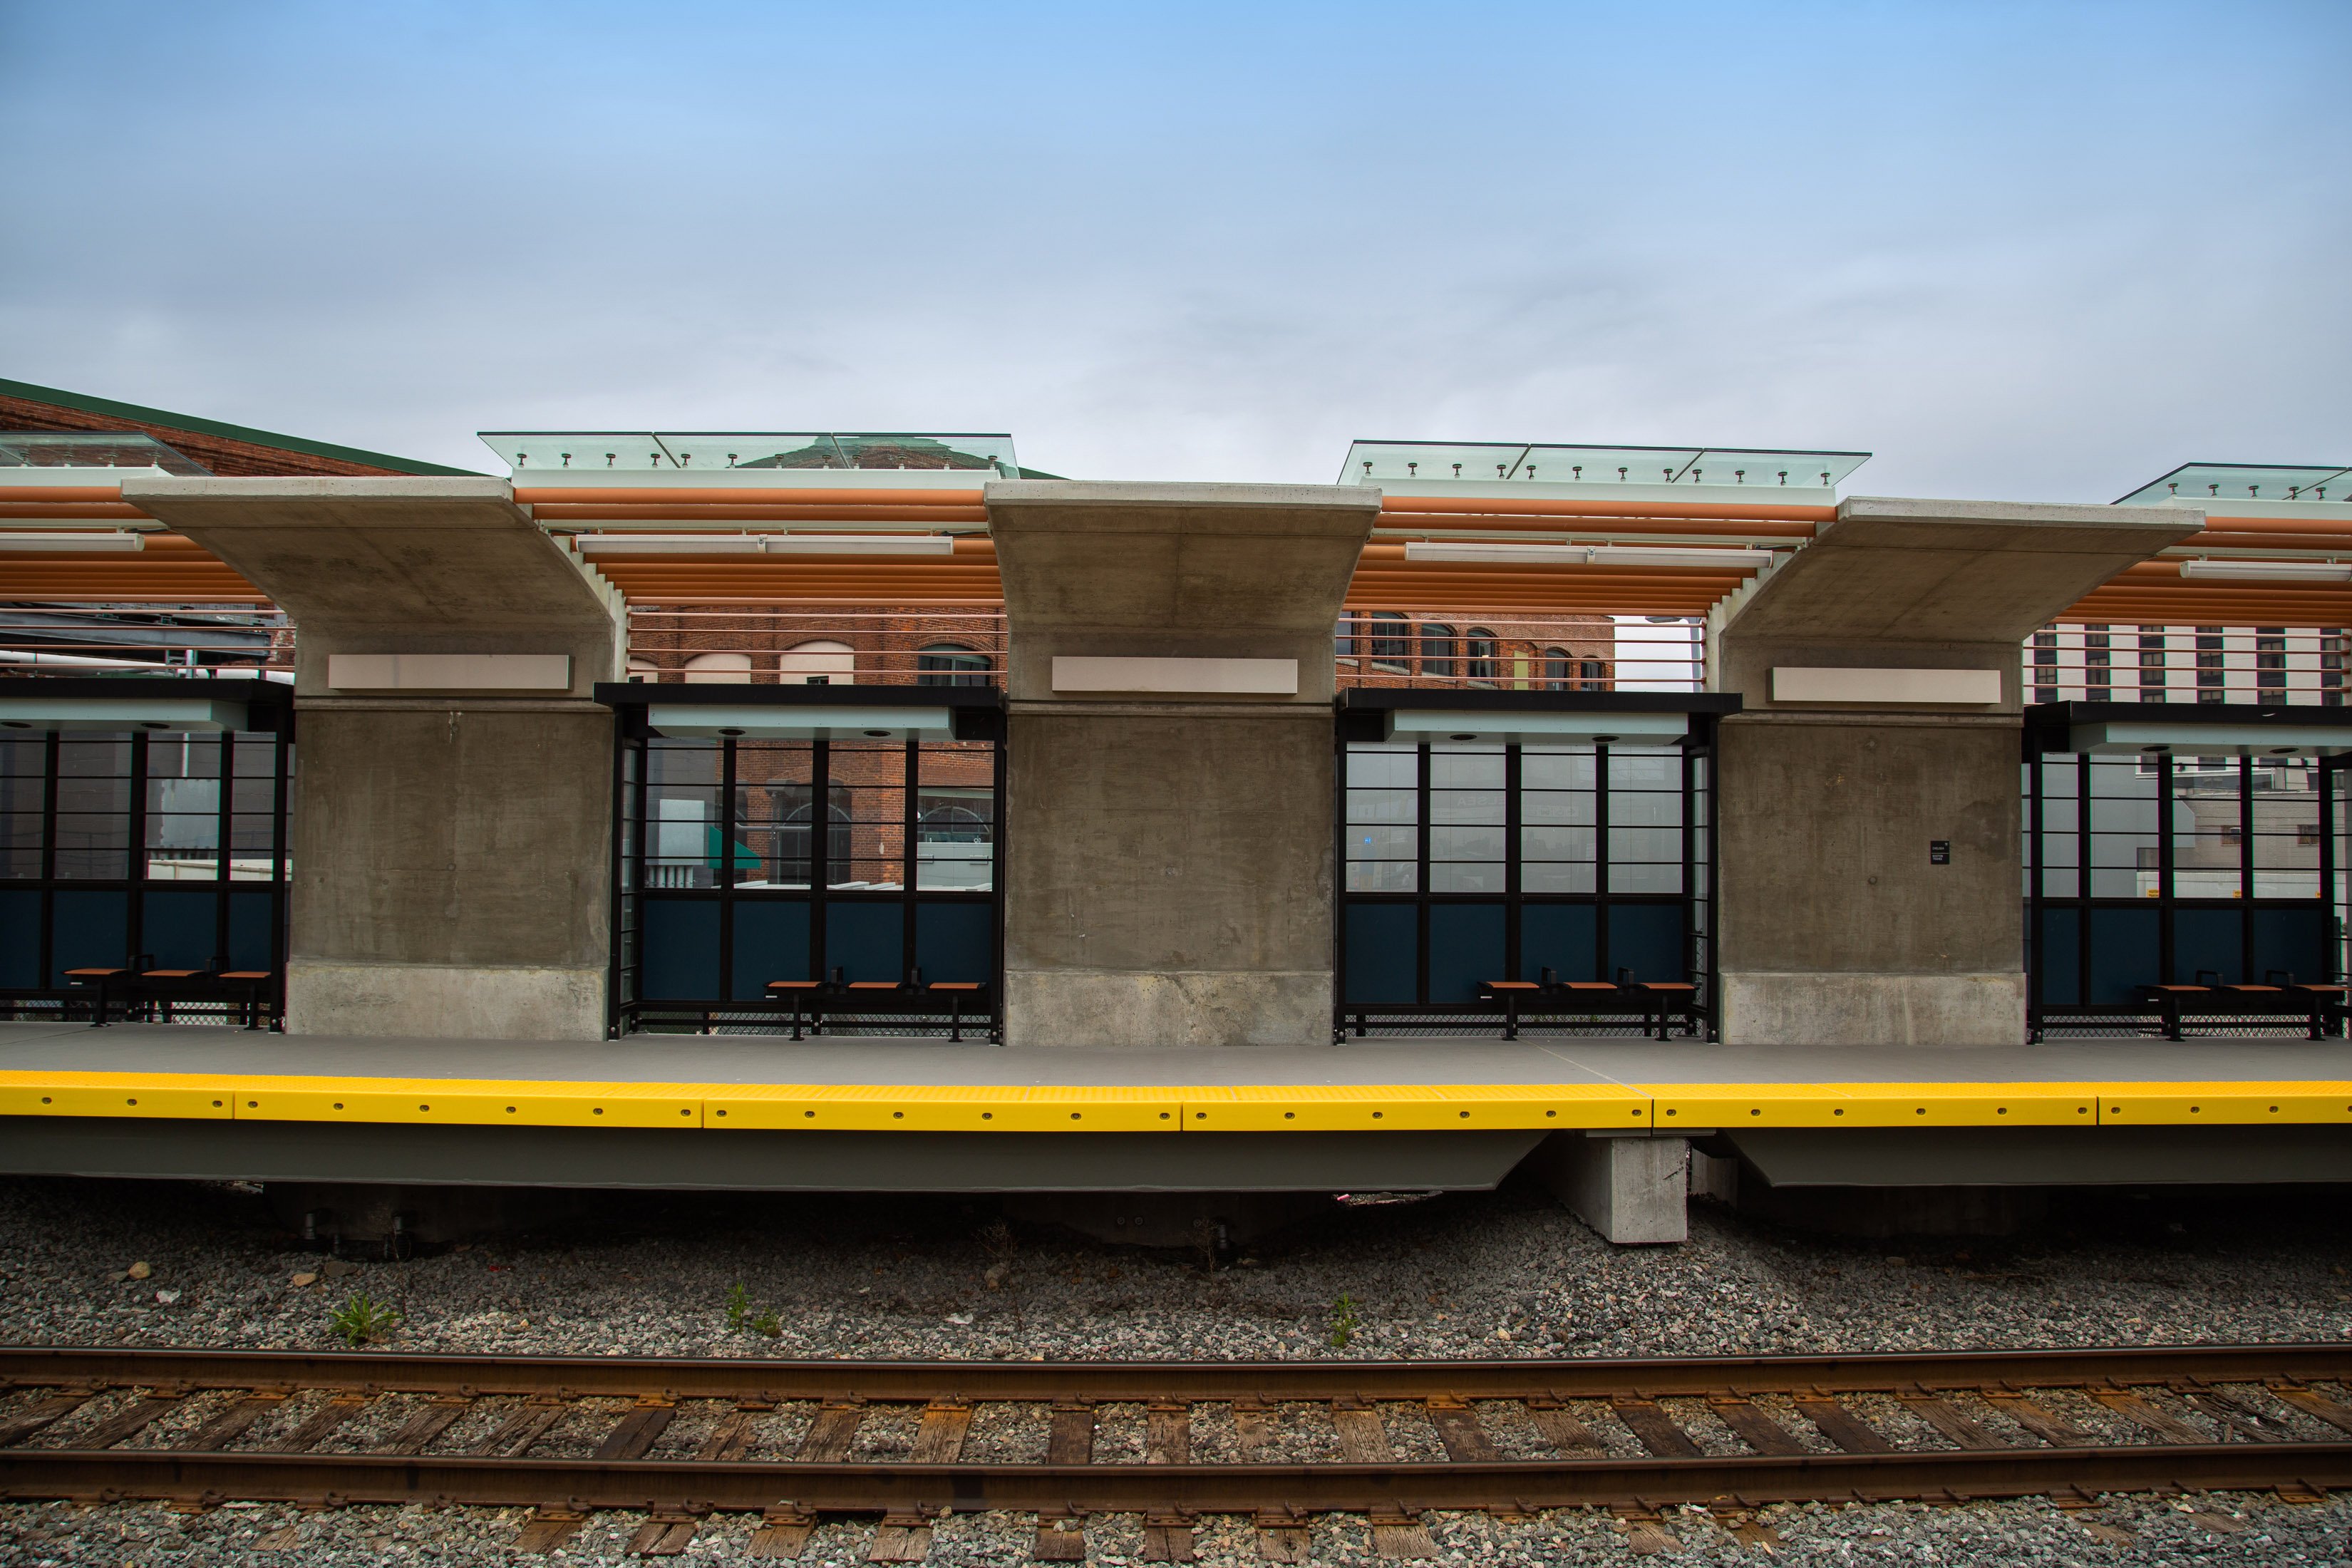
<point>1273,1442</point>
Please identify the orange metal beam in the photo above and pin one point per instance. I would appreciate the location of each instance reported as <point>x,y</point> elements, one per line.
<point>642,495</point>
<point>558,516</point>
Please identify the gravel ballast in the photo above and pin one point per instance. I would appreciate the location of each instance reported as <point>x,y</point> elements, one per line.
<point>1499,1274</point>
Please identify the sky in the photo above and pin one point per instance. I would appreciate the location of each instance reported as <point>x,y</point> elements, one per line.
<point>2036,251</point>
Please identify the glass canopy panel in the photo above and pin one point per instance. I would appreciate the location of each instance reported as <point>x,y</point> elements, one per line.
<point>773,450</point>
<point>1377,462</point>
<point>1562,464</point>
<point>636,451</point>
<point>1370,462</point>
<point>907,450</point>
<point>93,449</point>
<point>702,451</point>
<point>2248,482</point>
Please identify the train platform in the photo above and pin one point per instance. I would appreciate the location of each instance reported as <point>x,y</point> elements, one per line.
<point>1390,1085</point>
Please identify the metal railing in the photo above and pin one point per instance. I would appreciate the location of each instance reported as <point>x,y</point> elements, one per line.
<point>142,639</point>
<point>2294,665</point>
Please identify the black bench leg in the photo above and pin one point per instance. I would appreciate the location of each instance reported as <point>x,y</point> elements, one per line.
<point>1510,1017</point>
<point>955,1018</point>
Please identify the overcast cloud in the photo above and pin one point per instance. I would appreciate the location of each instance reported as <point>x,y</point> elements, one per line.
<point>2035,251</point>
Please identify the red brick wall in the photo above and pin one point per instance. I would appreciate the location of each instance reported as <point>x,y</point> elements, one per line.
<point>219,453</point>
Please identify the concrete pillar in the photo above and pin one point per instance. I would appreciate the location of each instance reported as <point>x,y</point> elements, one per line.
<point>1630,1189</point>
<point>1167,806</point>
<point>452,808</point>
<point>1870,853</point>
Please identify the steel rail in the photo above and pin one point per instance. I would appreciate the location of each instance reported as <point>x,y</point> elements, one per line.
<point>1129,1382</point>
<point>662,1485</point>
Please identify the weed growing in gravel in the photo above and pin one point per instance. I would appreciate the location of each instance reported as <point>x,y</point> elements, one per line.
<point>363,1319</point>
<point>740,1314</point>
<point>1344,1321</point>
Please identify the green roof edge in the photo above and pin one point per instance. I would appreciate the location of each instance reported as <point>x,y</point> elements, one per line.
<point>87,405</point>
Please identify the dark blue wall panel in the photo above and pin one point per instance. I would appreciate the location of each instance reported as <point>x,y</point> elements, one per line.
<point>1465,946</point>
<point>180,926</point>
<point>2124,954</point>
<point>2210,940</point>
<point>681,949</point>
<point>866,942</point>
<point>955,941</point>
<point>2059,981</point>
<point>1560,937</point>
<point>20,938</point>
<point>1648,940</point>
<point>1380,964</point>
<point>2297,939</point>
<point>772,942</point>
<point>90,929</point>
<point>249,945</point>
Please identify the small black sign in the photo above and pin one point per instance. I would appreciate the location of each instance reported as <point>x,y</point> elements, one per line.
<point>1939,852</point>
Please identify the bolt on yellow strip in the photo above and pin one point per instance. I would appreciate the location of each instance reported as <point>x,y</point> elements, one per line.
<point>2223,1104</point>
<point>1733,1105</point>
<point>473,1102</point>
<point>1965,1104</point>
<point>179,1095</point>
<point>1412,1108</point>
<point>941,1108</point>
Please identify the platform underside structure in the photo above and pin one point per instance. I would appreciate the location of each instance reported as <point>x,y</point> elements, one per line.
<point>882,1115</point>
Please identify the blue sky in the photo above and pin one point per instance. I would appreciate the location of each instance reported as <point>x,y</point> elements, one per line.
<point>2036,251</point>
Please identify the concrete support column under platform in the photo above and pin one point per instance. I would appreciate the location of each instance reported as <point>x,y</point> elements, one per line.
<point>1870,846</point>
<point>1630,1189</point>
<point>452,805</point>
<point>1167,808</point>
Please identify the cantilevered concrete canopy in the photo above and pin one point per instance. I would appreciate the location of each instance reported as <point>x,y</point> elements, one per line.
<point>1898,575</point>
<point>452,826</point>
<point>1868,801</point>
<point>1170,859</point>
<point>397,565</point>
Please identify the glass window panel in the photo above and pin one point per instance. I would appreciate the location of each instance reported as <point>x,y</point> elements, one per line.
<point>1464,877</point>
<point>1482,805</point>
<point>1383,804</point>
<point>184,795</point>
<point>1383,767</point>
<point>1552,805</point>
<point>1377,842</point>
<point>2287,881</point>
<point>183,757</point>
<point>1465,844</point>
<point>253,793</point>
<point>257,756</point>
<point>24,756</point>
<point>20,845</point>
<point>84,795</point>
<point>1466,769</point>
<point>1382,875</point>
<point>1645,879</point>
<point>93,846</point>
<point>1555,769</point>
<point>1645,808</point>
<point>1550,843</point>
<point>955,836</point>
<point>1652,843</point>
<point>1645,769</point>
<point>93,759</point>
<point>1557,877</point>
<point>682,763</point>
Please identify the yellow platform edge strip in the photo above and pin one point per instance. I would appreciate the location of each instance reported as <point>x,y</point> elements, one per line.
<point>1301,1108</point>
